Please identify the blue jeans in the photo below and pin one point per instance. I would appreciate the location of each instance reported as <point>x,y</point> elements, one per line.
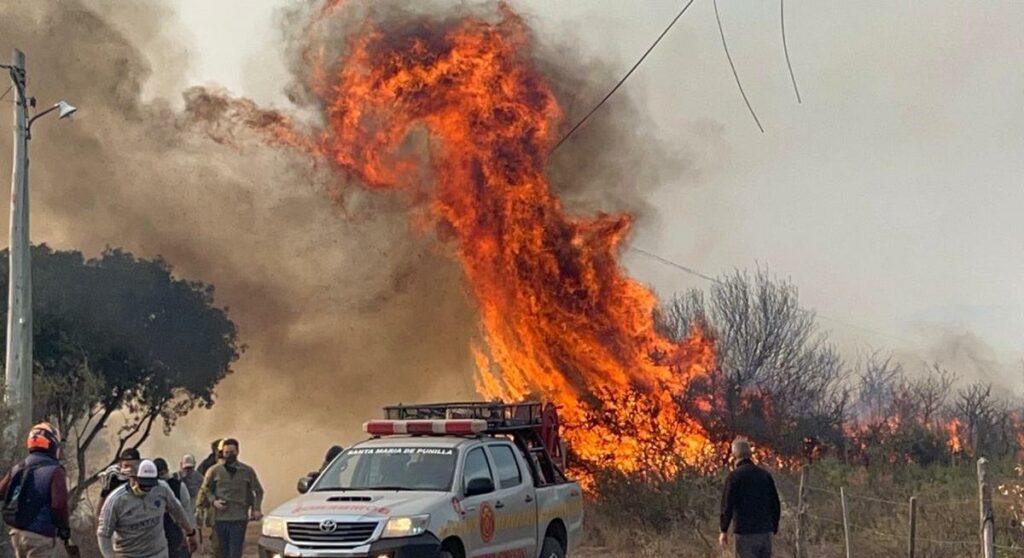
<point>231,537</point>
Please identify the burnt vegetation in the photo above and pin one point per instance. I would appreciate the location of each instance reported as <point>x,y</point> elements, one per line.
<point>781,382</point>
<point>883,428</point>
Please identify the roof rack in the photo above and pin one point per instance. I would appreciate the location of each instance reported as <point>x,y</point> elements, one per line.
<point>532,426</point>
<point>500,417</point>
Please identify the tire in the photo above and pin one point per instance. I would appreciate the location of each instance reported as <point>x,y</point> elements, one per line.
<point>552,549</point>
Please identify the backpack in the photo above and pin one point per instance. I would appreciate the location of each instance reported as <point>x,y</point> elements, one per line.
<point>19,510</point>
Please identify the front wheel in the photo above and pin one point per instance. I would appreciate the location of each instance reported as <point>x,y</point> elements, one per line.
<point>552,549</point>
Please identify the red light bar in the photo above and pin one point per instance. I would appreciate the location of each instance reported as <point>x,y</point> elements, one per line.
<point>425,427</point>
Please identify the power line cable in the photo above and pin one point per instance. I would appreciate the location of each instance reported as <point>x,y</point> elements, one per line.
<point>671,263</point>
<point>785,49</point>
<point>625,77</point>
<point>735,74</point>
<point>665,261</point>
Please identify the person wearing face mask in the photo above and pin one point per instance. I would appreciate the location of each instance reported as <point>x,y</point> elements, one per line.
<point>234,492</point>
<point>189,477</point>
<point>131,524</point>
<point>118,474</point>
<point>35,497</point>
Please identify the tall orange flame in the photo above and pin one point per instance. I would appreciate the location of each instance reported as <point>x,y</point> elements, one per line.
<point>560,319</point>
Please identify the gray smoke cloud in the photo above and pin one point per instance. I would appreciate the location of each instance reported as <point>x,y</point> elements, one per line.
<point>341,312</point>
<point>342,306</point>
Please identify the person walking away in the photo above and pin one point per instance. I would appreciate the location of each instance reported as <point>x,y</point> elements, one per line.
<point>750,503</point>
<point>131,523</point>
<point>118,474</point>
<point>177,546</point>
<point>35,497</point>
<point>235,494</point>
<point>189,477</point>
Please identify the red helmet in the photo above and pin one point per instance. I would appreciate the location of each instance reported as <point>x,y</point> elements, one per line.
<point>44,437</point>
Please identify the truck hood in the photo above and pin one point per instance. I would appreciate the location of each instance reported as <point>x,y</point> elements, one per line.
<point>360,505</point>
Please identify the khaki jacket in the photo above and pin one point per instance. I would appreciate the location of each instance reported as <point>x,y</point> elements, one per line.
<point>237,485</point>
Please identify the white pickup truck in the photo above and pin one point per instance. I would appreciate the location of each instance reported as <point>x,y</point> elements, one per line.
<point>439,481</point>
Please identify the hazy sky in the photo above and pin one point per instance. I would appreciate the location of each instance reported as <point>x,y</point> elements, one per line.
<point>892,196</point>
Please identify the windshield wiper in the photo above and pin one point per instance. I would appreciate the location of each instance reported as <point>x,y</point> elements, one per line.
<point>382,488</point>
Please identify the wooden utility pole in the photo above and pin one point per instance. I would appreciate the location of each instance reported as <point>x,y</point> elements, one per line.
<point>801,511</point>
<point>913,526</point>
<point>988,535</point>
<point>846,521</point>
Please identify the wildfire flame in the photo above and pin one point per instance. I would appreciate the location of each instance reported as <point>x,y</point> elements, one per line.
<point>954,430</point>
<point>560,319</point>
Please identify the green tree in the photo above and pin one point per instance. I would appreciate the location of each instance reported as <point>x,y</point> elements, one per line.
<point>120,345</point>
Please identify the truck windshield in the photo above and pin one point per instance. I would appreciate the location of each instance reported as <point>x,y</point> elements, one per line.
<point>391,468</point>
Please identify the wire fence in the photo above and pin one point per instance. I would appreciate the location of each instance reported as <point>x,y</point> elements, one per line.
<point>880,525</point>
<point>947,511</point>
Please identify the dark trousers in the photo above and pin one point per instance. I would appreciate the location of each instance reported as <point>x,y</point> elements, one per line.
<point>754,546</point>
<point>230,537</point>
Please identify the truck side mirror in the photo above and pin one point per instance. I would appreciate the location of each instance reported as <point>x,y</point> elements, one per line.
<point>305,483</point>
<point>479,486</point>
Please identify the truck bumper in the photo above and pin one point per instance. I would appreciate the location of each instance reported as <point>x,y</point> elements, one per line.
<point>421,546</point>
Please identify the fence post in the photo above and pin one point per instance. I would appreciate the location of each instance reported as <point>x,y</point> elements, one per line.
<point>801,510</point>
<point>913,525</point>
<point>846,522</point>
<point>987,519</point>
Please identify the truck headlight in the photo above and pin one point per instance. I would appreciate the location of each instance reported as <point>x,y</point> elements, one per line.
<point>274,527</point>
<point>406,526</point>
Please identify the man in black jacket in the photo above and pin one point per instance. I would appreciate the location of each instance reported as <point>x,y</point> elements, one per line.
<point>751,504</point>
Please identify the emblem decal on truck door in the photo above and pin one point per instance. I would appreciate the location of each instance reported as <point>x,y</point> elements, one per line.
<point>486,522</point>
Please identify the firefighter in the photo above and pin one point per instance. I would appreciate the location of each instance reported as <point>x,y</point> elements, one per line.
<point>751,504</point>
<point>131,524</point>
<point>35,497</point>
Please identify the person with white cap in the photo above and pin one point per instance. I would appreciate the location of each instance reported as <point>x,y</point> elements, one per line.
<point>131,523</point>
<point>189,477</point>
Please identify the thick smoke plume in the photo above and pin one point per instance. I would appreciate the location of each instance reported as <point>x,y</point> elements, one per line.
<point>342,306</point>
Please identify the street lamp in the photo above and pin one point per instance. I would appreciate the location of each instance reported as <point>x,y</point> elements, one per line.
<point>18,366</point>
<point>66,109</point>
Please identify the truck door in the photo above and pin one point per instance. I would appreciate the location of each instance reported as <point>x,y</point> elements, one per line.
<point>480,535</point>
<point>515,505</point>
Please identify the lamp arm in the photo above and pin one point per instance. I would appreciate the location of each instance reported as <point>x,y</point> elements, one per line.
<point>45,112</point>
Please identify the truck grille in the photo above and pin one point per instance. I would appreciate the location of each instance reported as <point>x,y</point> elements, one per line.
<point>329,532</point>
